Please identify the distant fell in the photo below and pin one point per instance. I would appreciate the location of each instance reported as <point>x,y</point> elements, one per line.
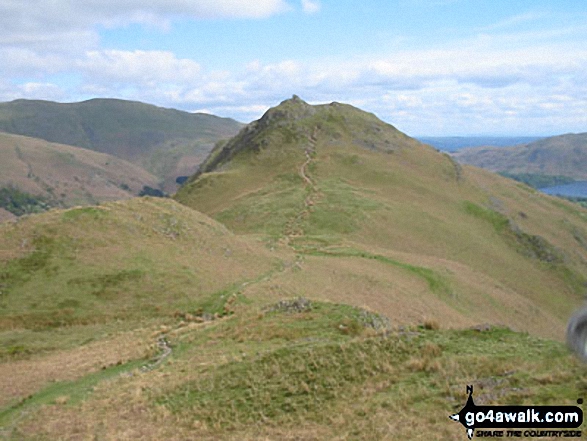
<point>564,155</point>
<point>63,176</point>
<point>167,142</point>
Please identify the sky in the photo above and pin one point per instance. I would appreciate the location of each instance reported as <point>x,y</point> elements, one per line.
<point>429,67</point>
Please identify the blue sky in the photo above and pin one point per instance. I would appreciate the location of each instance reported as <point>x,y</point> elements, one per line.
<point>429,67</point>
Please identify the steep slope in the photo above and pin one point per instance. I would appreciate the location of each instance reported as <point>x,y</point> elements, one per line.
<point>167,142</point>
<point>564,155</point>
<point>382,220</point>
<point>65,176</point>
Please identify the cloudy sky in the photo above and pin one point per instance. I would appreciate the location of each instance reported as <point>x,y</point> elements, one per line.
<point>429,67</point>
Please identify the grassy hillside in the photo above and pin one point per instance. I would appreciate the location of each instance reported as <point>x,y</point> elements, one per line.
<point>82,290</point>
<point>556,156</point>
<point>357,282</point>
<point>62,175</point>
<point>384,221</point>
<point>321,372</point>
<point>122,260</point>
<point>167,142</point>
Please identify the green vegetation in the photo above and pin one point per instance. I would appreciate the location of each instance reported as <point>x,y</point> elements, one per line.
<point>314,379</point>
<point>539,180</point>
<point>141,260</point>
<point>330,177</point>
<point>532,246</point>
<point>580,201</point>
<point>436,283</point>
<point>321,370</point>
<point>499,222</point>
<point>19,202</point>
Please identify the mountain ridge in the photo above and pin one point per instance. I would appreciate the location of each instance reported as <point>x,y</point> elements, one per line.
<point>562,155</point>
<point>64,175</point>
<point>336,181</point>
<point>166,142</point>
<point>287,112</point>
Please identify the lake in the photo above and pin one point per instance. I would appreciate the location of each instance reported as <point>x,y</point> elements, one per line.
<point>576,189</point>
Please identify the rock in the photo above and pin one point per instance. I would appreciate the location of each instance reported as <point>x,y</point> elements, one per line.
<point>292,306</point>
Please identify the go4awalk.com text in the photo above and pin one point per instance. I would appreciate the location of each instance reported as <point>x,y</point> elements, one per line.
<point>519,421</point>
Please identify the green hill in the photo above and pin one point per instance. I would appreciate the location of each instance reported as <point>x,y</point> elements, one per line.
<point>62,175</point>
<point>169,143</point>
<point>339,280</point>
<point>417,234</point>
<point>564,155</point>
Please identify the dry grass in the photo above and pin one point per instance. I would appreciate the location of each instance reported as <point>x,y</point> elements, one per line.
<point>21,378</point>
<point>68,175</point>
<point>398,387</point>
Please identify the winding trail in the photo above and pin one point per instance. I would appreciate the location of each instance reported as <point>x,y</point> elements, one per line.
<point>293,228</point>
<point>304,167</point>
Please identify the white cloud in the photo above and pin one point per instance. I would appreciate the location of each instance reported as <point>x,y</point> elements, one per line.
<point>26,62</point>
<point>138,67</point>
<point>310,6</point>
<point>32,90</point>
<point>516,82</point>
<point>58,24</point>
<point>46,91</point>
<point>459,90</point>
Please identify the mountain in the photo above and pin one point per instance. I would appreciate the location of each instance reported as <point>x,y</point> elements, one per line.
<point>337,274</point>
<point>167,142</point>
<point>564,155</point>
<point>334,181</point>
<point>62,175</point>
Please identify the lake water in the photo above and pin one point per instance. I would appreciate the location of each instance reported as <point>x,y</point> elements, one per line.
<point>576,189</point>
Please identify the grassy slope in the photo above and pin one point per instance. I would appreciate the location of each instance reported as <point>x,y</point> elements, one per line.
<point>88,293</point>
<point>85,292</point>
<point>123,260</point>
<point>67,175</point>
<point>397,214</point>
<point>323,373</point>
<point>556,156</point>
<point>167,142</point>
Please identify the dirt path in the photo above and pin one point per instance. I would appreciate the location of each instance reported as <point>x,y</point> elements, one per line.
<point>303,169</point>
<point>293,228</point>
